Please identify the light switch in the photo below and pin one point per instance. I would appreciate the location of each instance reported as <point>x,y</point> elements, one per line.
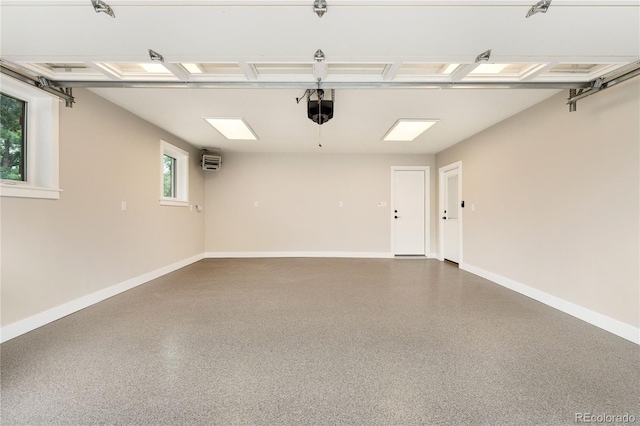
<point>473,207</point>
<point>123,206</point>
<point>256,204</point>
<point>340,204</point>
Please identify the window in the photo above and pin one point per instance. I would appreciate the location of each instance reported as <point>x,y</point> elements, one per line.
<point>174,163</point>
<point>12,137</point>
<point>169,176</point>
<point>28,141</point>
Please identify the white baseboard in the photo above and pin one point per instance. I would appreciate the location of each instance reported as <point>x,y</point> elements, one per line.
<point>258,254</point>
<point>604,322</point>
<point>35,321</point>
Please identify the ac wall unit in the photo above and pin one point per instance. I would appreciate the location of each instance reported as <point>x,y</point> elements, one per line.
<point>211,162</point>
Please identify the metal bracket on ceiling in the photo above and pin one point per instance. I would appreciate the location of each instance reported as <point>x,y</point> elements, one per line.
<point>320,7</point>
<point>541,7</point>
<point>305,95</point>
<point>602,83</point>
<point>572,94</point>
<point>43,82</point>
<point>155,56</point>
<point>484,56</point>
<point>100,6</point>
<point>37,81</point>
<point>71,100</point>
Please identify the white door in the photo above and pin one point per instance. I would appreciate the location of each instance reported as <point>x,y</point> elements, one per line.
<point>409,212</point>
<point>451,216</point>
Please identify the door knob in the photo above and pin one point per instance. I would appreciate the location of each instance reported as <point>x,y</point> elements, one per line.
<point>396,217</point>
<point>395,211</point>
<point>444,217</point>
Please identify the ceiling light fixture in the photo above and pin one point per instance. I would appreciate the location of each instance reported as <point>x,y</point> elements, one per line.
<point>232,128</point>
<point>541,7</point>
<point>100,6</point>
<point>407,129</point>
<point>320,7</point>
<point>484,56</point>
<point>155,56</point>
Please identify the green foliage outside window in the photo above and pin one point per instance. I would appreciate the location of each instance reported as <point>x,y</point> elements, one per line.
<point>12,137</point>
<point>169,172</point>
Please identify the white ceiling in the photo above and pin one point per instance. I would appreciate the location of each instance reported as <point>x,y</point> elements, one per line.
<point>361,118</point>
<point>395,35</point>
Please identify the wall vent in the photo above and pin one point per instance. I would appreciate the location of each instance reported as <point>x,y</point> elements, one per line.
<point>211,162</point>
<point>210,159</point>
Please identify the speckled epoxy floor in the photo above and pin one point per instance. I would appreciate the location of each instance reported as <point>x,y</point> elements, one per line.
<point>317,341</point>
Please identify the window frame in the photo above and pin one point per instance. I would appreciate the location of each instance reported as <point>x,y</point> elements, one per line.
<point>41,159</point>
<point>181,175</point>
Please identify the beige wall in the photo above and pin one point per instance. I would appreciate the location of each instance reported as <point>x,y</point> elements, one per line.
<point>55,251</point>
<point>298,197</point>
<point>557,200</point>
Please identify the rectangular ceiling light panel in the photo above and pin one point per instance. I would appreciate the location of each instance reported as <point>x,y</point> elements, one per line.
<point>232,128</point>
<point>408,129</point>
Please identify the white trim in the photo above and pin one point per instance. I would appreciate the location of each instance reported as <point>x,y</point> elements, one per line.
<point>427,205</point>
<point>327,254</point>
<point>173,202</point>
<point>38,320</point>
<point>441,171</point>
<point>619,328</point>
<point>25,191</point>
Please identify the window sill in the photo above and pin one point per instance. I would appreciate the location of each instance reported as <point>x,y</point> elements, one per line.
<point>174,203</point>
<point>25,191</point>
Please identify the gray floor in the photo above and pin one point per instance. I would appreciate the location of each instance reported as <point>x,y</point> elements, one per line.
<point>318,341</point>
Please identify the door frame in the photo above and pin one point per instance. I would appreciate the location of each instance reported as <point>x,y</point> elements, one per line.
<point>427,204</point>
<point>441,171</point>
